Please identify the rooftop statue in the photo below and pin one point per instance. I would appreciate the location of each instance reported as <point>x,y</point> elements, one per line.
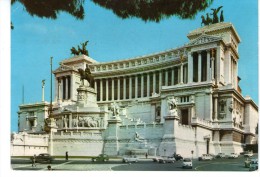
<point>86,75</point>
<point>82,50</point>
<point>215,14</point>
<point>221,18</point>
<point>215,19</point>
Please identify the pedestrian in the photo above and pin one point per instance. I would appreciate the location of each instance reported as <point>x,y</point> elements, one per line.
<point>146,155</point>
<point>67,156</point>
<point>34,161</point>
<point>49,167</point>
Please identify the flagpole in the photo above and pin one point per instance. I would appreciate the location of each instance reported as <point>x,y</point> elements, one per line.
<point>51,91</point>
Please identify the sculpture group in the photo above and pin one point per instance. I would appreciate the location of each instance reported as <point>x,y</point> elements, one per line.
<point>207,20</point>
<point>83,50</point>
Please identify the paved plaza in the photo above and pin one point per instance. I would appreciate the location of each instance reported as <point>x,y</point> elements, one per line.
<point>80,164</point>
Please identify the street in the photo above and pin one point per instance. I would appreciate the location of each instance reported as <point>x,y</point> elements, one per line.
<point>81,164</point>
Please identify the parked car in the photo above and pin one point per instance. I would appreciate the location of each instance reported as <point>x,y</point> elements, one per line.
<point>253,166</point>
<point>130,159</point>
<point>213,156</point>
<point>206,157</point>
<point>249,161</point>
<point>43,157</point>
<point>168,159</point>
<point>157,158</point>
<point>221,155</point>
<point>100,158</point>
<point>187,163</point>
<point>248,154</point>
<point>233,155</point>
<point>178,157</point>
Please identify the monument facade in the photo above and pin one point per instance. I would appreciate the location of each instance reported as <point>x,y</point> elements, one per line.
<point>185,100</point>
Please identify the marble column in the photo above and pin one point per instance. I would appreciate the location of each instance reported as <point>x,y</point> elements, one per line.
<point>190,67</point>
<point>160,81</point>
<point>95,85</point>
<point>106,89</point>
<point>181,74</point>
<point>154,82</point>
<point>218,74</point>
<point>212,68</point>
<point>199,67</point>
<point>142,85</point>
<point>101,90</point>
<point>235,74</point>
<point>59,87</point>
<point>118,88</point>
<point>124,87</point>
<point>56,89</point>
<point>67,86</point>
<point>208,66</point>
<point>215,109</point>
<point>64,88</point>
<point>166,78</point>
<point>130,87</point>
<point>136,86</point>
<point>113,88</point>
<point>72,95</point>
<point>148,84</point>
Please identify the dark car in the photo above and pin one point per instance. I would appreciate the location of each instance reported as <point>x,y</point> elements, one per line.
<point>178,157</point>
<point>167,160</point>
<point>100,158</point>
<point>43,157</point>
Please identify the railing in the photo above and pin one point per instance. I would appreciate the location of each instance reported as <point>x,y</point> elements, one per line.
<point>228,125</point>
<point>139,61</point>
<point>201,122</point>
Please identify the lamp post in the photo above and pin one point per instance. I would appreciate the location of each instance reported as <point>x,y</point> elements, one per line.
<point>192,154</point>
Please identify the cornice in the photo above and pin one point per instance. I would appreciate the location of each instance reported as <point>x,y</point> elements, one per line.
<point>212,29</point>
<point>138,63</point>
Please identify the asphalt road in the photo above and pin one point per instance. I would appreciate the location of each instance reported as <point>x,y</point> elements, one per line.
<point>143,165</point>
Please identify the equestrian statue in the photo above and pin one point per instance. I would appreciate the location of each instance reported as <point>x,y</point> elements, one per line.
<point>86,75</point>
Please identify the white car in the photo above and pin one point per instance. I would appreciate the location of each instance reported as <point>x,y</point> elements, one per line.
<point>130,159</point>
<point>248,154</point>
<point>206,157</point>
<point>233,155</point>
<point>187,163</point>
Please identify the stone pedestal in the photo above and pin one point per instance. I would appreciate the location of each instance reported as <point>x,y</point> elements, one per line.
<point>111,146</point>
<point>51,128</point>
<point>87,96</point>
<point>168,144</point>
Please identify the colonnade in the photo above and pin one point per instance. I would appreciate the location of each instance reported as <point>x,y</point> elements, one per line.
<point>139,85</point>
<point>63,86</point>
<point>201,66</point>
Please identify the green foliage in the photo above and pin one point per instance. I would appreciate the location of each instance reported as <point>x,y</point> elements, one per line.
<point>147,10</point>
<point>155,10</point>
<point>51,8</point>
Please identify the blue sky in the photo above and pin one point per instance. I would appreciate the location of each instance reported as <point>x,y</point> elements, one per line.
<point>35,40</point>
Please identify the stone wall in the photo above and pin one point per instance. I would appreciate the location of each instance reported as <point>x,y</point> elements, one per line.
<point>23,144</point>
<point>78,143</point>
